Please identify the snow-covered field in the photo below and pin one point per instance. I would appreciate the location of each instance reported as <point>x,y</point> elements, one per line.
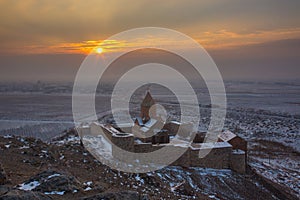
<point>267,115</point>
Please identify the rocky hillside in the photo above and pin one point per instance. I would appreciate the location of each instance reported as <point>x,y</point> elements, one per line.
<point>63,169</point>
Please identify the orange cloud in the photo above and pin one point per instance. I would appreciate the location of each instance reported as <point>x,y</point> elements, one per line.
<point>84,47</point>
<point>89,46</point>
<point>220,39</point>
<point>227,39</point>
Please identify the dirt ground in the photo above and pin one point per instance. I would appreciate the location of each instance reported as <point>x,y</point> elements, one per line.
<point>24,158</point>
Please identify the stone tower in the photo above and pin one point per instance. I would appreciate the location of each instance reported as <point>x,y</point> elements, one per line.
<point>145,107</point>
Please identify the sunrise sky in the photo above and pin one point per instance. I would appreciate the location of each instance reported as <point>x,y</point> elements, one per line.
<point>47,40</point>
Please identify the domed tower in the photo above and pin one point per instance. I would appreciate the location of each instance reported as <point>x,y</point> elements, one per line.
<point>145,107</point>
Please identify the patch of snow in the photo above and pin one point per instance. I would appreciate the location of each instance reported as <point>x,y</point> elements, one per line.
<point>72,139</point>
<point>227,135</point>
<point>53,175</point>
<point>138,141</point>
<point>176,122</point>
<point>88,189</point>
<point>238,151</point>
<point>211,145</point>
<point>29,186</point>
<point>138,178</point>
<point>172,137</point>
<point>55,192</point>
<point>7,146</point>
<point>159,174</point>
<point>24,147</point>
<point>89,183</point>
<point>149,174</point>
<point>173,188</point>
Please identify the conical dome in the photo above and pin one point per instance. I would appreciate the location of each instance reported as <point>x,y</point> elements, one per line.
<point>148,100</point>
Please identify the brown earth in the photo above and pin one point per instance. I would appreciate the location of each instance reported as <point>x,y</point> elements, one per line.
<point>81,176</point>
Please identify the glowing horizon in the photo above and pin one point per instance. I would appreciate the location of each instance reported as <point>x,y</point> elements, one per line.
<point>76,27</point>
<point>39,37</point>
<point>222,39</point>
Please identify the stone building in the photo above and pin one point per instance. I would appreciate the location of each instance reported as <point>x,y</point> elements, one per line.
<point>239,146</point>
<point>236,141</point>
<point>148,134</point>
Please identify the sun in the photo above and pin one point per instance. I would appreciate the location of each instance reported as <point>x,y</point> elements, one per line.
<point>99,50</point>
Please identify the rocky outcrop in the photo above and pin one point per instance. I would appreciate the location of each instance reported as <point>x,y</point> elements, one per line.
<point>3,177</point>
<point>24,195</point>
<point>51,181</point>
<point>70,162</point>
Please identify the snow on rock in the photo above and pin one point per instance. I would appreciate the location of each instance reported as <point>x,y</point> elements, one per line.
<point>138,178</point>
<point>88,189</point>
<point>55,192</point>
<point>29,186</point>
<point>67,139</point>
<point>24,147</point>
<point>53,175</point>
<point>88,183</point>
<point>51,182</point>
<point>7,136</point>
